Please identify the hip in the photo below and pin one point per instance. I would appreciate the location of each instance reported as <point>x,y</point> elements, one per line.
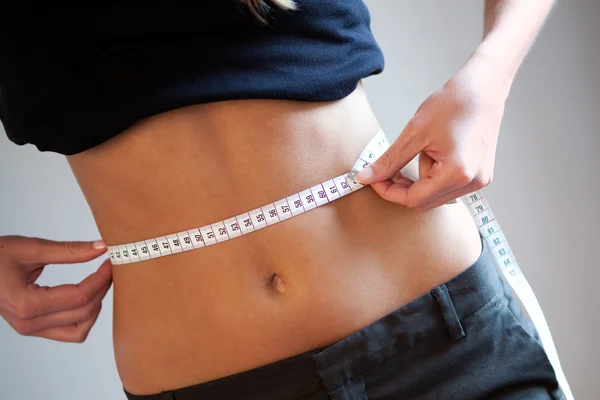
<point>442,344</point>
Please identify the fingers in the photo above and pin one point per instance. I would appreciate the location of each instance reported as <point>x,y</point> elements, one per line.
<point>74,333</point>
<point>431,191</point>
<point>439,182</point>
<point>65,312</point>
<point>474,186</point>
<point>400,153</point>
<point>434,181</point>
<point>460,179</point>
<point>27,327</point>
<point>37,251</point>
<point>37,301</point>
<point>423,191</point>
<point>400,179</point>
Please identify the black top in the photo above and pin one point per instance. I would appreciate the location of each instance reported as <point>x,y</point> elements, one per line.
<point>73,78</point>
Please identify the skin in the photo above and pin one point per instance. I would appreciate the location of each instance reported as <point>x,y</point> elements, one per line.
<point>298,285</point>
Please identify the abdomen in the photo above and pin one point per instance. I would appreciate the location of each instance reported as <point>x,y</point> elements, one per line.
<point>300,284</point>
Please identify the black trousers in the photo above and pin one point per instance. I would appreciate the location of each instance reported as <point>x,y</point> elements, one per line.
<point>466,339</point>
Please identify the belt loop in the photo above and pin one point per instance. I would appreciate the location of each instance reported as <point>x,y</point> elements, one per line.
<point>168,395</point>
<point>453,324</point>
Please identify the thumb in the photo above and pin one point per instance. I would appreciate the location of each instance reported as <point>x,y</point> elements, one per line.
<point>400,153</point>
<point>30,250</point>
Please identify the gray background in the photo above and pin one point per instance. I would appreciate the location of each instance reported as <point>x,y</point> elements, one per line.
<point>545,190</point>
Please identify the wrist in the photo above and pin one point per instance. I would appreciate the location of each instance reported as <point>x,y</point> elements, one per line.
<point>484,78</point>
<point>498,66</point>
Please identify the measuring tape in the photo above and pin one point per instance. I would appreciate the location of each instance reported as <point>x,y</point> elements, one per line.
<point>329,191</point>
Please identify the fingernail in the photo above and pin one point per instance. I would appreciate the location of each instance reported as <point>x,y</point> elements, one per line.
<point>98,244</point>
<point>363,175</point>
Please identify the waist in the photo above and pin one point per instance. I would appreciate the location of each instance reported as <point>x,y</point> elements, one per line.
<point>428,321</point>
<point>297,285</point>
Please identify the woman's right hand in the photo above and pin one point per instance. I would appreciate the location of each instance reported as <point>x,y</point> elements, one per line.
<point>64,313</point>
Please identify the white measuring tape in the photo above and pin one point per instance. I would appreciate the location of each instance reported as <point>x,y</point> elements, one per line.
<point>326,192</point>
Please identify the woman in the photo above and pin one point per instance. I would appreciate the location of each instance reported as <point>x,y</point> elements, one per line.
<point>179,118</point>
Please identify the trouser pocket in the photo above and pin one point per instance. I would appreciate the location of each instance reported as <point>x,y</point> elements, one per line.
<point>526,342</point>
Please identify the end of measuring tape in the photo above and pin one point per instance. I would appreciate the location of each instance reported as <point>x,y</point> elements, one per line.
<point>376,147</point>
<point>372,151</point>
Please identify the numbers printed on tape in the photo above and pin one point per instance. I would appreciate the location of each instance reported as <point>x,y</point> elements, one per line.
<point>143,251</point>
<point>342,186</point>
<point>174,243</point>
<point>252,220</point>
<point>133,252</point>
<point>295,204</point>
<point>153,248</point>
<point>232,227</point>
<point>196,238</point>
<point>245,223</point>
<point>258,218</point>
<point>331,189</point>
<point>308,199</point>
<point>124,254</point>
<point>185,240</point>
<point>271,214</point>
<point>319,195</point>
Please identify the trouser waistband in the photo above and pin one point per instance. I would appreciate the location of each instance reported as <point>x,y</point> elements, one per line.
<point>438,312</point>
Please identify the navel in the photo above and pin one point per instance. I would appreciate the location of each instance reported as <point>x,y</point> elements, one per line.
<point>277,283</point>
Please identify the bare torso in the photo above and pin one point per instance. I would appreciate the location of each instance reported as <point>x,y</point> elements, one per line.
<point>207,313</point>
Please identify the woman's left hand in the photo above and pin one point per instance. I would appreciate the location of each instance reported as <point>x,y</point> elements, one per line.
<point>455,133</point>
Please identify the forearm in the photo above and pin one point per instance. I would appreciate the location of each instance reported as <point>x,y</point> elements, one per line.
<point>510,27</point>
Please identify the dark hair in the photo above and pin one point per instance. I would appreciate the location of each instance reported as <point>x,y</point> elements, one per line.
<point>260,8</point>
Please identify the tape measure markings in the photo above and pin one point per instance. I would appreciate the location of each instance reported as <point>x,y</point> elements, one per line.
<point>261,217</point>
<point>505,260</point>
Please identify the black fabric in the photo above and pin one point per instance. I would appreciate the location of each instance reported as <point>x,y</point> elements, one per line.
<point>466,339</point>
<point>73,78</point>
